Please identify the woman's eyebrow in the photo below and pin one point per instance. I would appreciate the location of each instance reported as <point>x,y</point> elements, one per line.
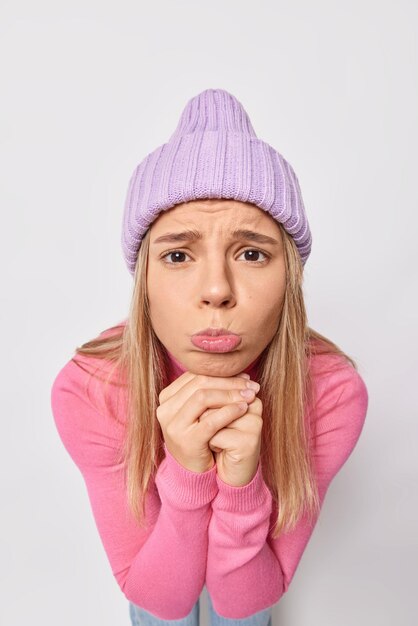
<point>193,235</point>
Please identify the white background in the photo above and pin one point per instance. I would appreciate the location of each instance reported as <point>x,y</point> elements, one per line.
<point>88,89</point>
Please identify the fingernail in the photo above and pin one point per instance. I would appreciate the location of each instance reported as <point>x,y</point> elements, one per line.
<point>244,375</point>
<point>251,384</point>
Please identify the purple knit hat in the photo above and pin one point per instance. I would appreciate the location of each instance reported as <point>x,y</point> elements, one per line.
<point>213,153</point>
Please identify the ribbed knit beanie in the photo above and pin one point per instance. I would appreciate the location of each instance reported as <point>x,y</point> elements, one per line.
<point>213,153</point>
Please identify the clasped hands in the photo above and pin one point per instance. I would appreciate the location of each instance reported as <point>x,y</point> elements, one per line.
<point>206,420</point>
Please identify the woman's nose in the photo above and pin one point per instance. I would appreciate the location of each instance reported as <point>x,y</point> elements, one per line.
<point>216,286</point>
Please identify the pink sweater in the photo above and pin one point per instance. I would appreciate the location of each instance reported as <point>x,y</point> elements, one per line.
<point>199,529</point>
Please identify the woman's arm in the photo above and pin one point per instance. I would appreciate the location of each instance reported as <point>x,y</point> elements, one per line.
<point>247,570</point>
<point>161,567</point>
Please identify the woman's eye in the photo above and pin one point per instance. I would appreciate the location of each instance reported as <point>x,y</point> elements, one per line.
<point>254,255</point>
<point>177,255</point>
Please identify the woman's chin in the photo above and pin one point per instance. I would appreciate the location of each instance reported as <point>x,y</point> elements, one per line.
<point>218,364</point>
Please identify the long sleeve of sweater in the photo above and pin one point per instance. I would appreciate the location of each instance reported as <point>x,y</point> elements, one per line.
<point>160,567</point>
<point>247,570</point>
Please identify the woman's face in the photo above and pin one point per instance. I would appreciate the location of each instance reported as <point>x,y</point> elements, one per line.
<point>218,280</point>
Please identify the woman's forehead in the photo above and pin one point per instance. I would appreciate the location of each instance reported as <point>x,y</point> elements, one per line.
<point>226,221</point>
<point>200,211</point>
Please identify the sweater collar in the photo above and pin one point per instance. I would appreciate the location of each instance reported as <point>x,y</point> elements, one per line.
<point>176,368</point>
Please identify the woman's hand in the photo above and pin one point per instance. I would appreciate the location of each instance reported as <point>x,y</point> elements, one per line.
<point>185,401</point>
<point>237,446</point>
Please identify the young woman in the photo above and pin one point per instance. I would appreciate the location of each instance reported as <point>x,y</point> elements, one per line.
<point>209,424</point>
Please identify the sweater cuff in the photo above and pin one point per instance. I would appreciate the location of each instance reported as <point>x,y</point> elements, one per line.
<point>182,485</point>
<point>243,499</point>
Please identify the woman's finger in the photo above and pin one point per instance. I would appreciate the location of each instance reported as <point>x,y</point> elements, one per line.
<point>219,419</point>
<point>177,384</point>
<point>175,403</point>
<point>186,377</point>
<point>201,399</point>
<point>241,432</point>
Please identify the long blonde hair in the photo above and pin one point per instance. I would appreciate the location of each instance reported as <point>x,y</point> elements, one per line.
<point>287,391</point>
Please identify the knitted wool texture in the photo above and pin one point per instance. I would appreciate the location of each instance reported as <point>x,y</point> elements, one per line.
<point>213,153</point>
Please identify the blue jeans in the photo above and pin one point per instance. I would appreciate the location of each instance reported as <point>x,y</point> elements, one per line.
<point>140,617</point>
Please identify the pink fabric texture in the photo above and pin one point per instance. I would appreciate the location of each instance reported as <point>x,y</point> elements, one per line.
<point>200,531</point>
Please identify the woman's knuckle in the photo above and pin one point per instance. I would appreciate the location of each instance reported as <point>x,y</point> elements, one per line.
<point>208,423</point>
<point>199,395</point>
<point>258,405</point>
<point>235,396</point>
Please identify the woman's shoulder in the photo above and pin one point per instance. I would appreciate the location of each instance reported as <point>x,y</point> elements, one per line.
<point>80,364</point>
<point>88,392</point>
<point>341,398</point>
<point>84,372</point>
<point>335,370</point>
<point>86,376</point>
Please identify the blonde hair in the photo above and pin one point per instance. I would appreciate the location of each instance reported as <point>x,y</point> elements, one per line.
<point>287,392</point>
